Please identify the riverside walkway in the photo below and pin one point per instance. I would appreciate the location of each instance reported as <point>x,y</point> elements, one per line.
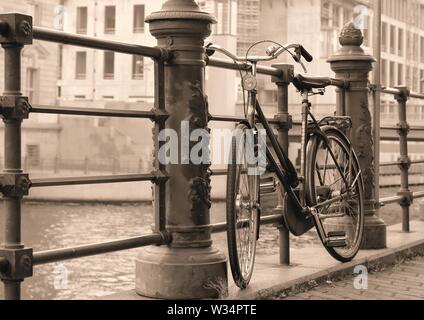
<point>313,269</point>
<point>401,282</point>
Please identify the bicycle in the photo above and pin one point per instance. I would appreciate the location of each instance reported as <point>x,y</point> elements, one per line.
<point>327,193</point>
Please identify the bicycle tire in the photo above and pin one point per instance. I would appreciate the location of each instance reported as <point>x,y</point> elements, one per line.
<point>348,253</point>
<point>242,274</point>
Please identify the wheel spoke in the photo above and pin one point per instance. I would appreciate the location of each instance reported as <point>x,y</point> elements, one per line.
<point>336,169</point>
<point>244,243</point>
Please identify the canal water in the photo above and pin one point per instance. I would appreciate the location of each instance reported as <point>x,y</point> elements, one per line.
<point>51,226</point>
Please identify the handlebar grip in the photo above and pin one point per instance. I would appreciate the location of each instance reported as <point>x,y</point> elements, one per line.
<point>305,54</point>
<point>209,51</point>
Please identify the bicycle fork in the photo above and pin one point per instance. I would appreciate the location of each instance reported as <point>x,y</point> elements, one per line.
<point>305,113</point>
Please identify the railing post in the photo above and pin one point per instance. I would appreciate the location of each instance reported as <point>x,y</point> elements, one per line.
<point>15,32</point>
<point>188,268</point>
<point>404,160</point>
<point>350,63</point>
<point>283,128</point>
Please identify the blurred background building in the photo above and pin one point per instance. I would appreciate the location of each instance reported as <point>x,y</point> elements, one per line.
<point>72,76</point>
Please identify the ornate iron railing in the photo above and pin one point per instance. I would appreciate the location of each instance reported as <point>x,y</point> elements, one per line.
<point>182,227</point>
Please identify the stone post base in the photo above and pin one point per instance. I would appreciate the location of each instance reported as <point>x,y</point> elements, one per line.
<point>174,273</point>
<point>374,233</point>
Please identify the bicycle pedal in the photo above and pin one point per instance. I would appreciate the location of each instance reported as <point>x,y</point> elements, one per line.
<point>339,242</point>
<point>336,234</point>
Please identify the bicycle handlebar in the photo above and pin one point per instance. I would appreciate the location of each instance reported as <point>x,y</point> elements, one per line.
<point>273,53</point>
<point>305,54</point>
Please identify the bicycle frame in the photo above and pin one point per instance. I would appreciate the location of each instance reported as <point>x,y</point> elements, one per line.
<point>286,168</point>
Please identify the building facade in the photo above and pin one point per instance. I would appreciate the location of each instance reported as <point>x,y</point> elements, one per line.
<point>40,136</point>
<point>74,76</point>
<point>95,76</point>
<point>402,49</point>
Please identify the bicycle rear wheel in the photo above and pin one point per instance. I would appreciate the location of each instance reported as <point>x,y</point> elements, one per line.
<point>242,210</point>
<point>333,172</point>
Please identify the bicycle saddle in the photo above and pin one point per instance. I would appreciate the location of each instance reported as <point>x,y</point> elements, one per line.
<point>303,83</point>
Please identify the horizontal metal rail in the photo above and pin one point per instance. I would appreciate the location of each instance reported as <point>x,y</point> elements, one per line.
<point>219,172</point>
<point>415,128</point>
<point>231,65</point>
<point>397,163</point>
<point>394,91</point>
<point>391,200</point>
<point>271,219</point>
<point>50,256</point>
<point>419,195</point>
<point>95,43</point>
<point>397,199</point>
<point>56,182</point>
<point>227,118</point>
<point>235,119</point>
<point>417,96</point>
<point>94,112</point>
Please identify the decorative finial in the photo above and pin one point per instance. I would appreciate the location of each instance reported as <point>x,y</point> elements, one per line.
<point>180,10</point>
<point>351,36</point>
<point>181,5</point>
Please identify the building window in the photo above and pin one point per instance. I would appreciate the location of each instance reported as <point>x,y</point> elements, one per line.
<point>81,65</point>
<point>225,11</point>
<point>400,75</point>
<point>384,34</point>
<point>109,65</point>
<point>32,82</point>
<point>392,80</point>
<point>110,19</point>
<point>82,17</point>
<point>422,49</point>
<point>336,16</point>
<point>408,77</point>
<point>33,155</point>
<point>392,39</point>
<point>37,16</point>
<point>139,18</point>
<point>400,43</point>
<point>325,14</point>
<point>422,81</point>
<point>384,72</point>
<point>138,68</point>
<point>415,79</point>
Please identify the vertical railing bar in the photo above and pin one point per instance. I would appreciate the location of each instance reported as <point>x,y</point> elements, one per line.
<point>12,162</point>
<point>160,185</point>
<point>283,125</point>
<point>377,96</point>
<point>405,162</point>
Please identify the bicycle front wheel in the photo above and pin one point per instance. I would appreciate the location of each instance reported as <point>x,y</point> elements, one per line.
<point>242,209</point>
<point>334,180</point>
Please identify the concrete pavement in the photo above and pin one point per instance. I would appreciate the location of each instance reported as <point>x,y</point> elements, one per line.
<point>312,266</point>
<point>401,282</point>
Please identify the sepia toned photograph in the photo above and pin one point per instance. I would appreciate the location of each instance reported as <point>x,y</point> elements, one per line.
<point>212,155</point>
